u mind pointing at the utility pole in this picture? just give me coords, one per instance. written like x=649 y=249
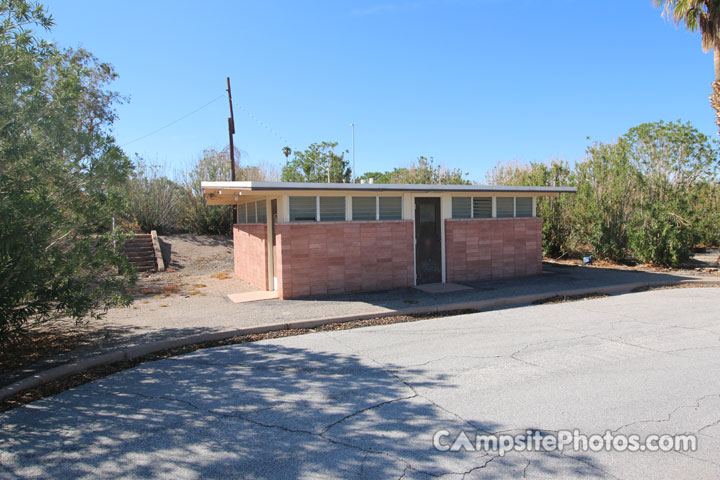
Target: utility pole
x=352 y=179
x=231 y=131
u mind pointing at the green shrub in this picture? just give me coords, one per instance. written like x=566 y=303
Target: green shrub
x=651 y=196
x=196 y=215
x=153 y=201
x=58 y=167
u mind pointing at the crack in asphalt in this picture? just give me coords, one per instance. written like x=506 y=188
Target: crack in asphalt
x=475 y=357
x=321 y=434
x=469 y=422
x=395 y=374
x=363 y=410
x=527 y=465
x=587 y=462
x=614 y=340
x=633 y=319
x=479 y=467
x=708 y=426
x=704 y=460
x=670 y=414
x=362 y=465
x=404 y=472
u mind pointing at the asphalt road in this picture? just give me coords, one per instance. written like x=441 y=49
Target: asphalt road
x=161 y=317
x=365 y=403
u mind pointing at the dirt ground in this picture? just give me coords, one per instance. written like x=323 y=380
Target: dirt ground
x=197 y=265
x=199 y=274
x=705 y=262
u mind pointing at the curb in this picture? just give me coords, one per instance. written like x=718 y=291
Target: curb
x=131 y=353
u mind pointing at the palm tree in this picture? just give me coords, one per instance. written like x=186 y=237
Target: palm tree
x=703 y=15
x=286 y=151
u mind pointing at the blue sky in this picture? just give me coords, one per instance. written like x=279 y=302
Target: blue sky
x=468 y=82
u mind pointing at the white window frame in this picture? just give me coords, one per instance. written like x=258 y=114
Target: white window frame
x=317 y=207
x=377 y=202
x=472 y=206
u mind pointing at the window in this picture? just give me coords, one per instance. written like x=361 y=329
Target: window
x=364 y=208
x=461 y=207
x=251 y=212
x=523 y=206
x=390 y=208
x=376 y=208
x=303 y=209
x=482 y=207
x=261 y=211
x=505 y=207
x=475 y=207
x=242 y=214
x=332 y=209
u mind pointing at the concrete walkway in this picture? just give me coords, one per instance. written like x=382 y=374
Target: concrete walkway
x=365 y=403
x=174 y=317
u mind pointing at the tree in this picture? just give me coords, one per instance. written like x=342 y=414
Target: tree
x=152 y=199
x=377 y=177
x=558 y=213
x=59 y=167
x=199 y=217
x=671 y=161
x=650 y=197
x=318 y=163
x=703 y=15
x=422 y=171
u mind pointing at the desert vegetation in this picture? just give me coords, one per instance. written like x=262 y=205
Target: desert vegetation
x=154 y=199
x=651 y=196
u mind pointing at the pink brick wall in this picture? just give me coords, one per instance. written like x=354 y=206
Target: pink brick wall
x=249 y=240
x=481 y=249
x=338 y=257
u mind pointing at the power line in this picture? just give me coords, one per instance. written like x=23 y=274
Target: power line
x=175 y=121
x=264 y=125
x=223 y=95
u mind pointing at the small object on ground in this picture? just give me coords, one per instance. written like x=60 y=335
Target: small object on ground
x=588 y=260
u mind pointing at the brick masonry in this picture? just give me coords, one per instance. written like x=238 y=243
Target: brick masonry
x=249 y=241
x=482 y=249
x=339 y=257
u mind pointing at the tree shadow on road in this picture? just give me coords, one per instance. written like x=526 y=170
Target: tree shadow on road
x=260 y=410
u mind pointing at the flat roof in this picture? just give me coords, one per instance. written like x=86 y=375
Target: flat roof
x=209 y=187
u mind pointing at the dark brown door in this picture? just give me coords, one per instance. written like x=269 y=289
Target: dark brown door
x=428 y=241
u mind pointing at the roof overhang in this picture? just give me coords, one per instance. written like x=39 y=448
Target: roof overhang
x=225 y=193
